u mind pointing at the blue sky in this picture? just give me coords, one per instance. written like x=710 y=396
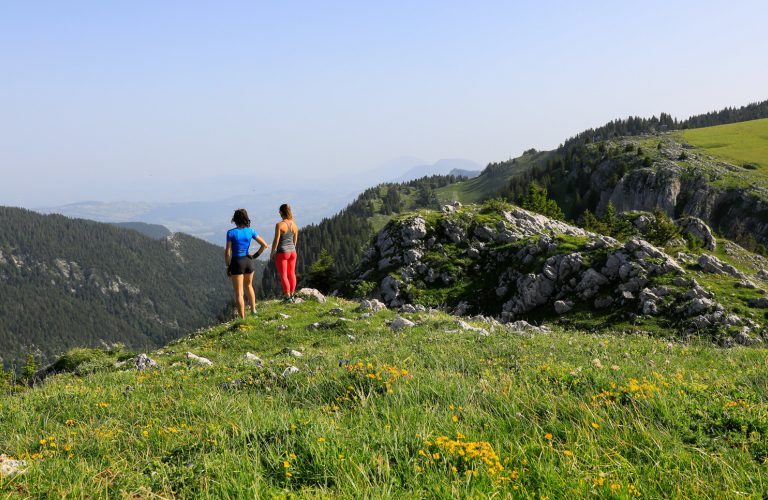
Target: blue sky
x=117 y=91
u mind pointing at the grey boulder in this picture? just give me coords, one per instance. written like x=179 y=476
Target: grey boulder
x=313 y=294
x=400 y=323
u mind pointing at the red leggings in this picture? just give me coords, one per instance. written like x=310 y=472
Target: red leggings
x=286 y=266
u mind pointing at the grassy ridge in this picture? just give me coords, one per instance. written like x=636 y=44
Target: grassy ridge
x=477 y=189
x=419 y=413
x=739 y=143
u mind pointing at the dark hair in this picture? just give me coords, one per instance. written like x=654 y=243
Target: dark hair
x=285 y=211
x=241 y=218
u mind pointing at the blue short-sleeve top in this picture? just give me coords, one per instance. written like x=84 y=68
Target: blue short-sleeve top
x=241 y=240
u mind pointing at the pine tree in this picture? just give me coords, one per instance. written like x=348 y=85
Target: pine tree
x=30 y=367
x=536 y=201
x=616 y=227
x=321 y=274
x=647 y=161
x=589 y=222
x=661 y=230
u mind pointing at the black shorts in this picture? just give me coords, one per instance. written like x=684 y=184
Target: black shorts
x=241 y=265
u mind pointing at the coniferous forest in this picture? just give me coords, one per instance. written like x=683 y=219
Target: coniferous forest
x=75 y=283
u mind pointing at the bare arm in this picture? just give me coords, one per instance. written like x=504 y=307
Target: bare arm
x=261 y=250
x=227 y=256
x=295 y=234
x=275 y=242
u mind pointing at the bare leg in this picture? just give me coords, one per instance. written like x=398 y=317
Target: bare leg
x=248 y=281
x=237 y=284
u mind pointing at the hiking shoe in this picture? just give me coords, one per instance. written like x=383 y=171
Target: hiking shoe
x=287 y=301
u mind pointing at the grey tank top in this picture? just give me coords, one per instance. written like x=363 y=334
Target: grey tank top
x=285 y=245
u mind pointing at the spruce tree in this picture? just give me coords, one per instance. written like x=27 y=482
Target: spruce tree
x=616 y=227
x=322 y=273
x=647 y=161
x=589 y=222
x=661 y=230
x=576 y=209
x=536 y=200
x=30 y=367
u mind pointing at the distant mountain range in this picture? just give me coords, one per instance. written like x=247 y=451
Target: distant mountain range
x=468 y=173
x=210 y=220
x=440 y=167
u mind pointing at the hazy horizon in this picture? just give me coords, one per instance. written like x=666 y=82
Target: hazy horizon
x=114 y=100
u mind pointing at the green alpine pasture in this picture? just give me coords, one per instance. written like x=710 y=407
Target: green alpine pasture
x=426 y=412
x=742 y=144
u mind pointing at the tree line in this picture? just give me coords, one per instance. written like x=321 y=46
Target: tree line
x=635 y=125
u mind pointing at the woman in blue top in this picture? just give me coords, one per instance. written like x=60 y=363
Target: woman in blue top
x=240 y=266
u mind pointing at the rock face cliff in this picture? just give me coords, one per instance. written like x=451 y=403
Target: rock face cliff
x=681 y=179
x=515 y=265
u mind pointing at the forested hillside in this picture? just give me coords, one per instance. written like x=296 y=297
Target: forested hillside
x=506 y=177
x=718 y=174
x=74 y=283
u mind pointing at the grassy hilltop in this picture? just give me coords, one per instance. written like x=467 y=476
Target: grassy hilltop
x=426 y=412
x=739 y=143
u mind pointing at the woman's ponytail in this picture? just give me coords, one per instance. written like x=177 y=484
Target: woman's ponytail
x=285 y=211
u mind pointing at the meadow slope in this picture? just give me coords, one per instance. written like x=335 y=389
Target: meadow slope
x=431 y=411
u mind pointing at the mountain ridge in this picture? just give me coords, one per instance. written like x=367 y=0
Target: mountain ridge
x=440 y=167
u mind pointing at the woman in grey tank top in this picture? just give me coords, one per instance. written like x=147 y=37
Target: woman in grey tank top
x=284 y=252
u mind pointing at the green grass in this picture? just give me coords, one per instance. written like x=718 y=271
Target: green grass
x=418 y=414
x=738 y=143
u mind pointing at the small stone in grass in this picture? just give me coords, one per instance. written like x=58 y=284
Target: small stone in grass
x=252 y=357
x=9 y=467
x=201 y=360
x=401 y=323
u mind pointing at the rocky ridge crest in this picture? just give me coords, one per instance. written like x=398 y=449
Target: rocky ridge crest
x=515 y=265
